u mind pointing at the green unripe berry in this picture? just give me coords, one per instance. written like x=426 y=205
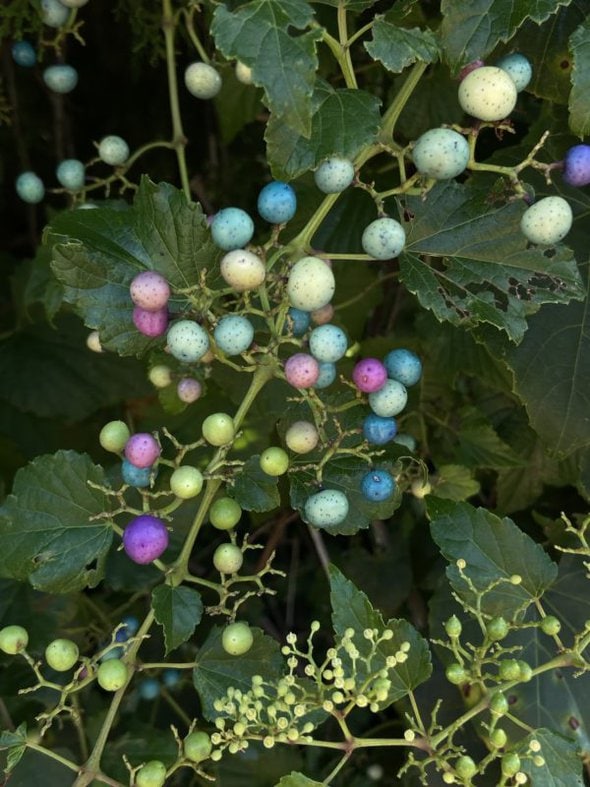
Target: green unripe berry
x=509 y=669
x=465 y=767
x=13 y=639
x=152 y=774
x=112 y=674
x=113 y=436
x=228 y=558
x=302 y=437
x=218 y=429
x=526 y=671
x=498 y=738
x=274 y=461
x=186 y=482
x=497 y=629
x=197 y=746
x=550 y=626
x=160 y=376
x=225 y=513
x=498 y=704
x=453 y=627
x=456 y=674
x=237 y=638
x=61 y=654
x=510 y=764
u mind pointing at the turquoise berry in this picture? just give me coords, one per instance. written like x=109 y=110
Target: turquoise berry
x=60 y=78
x=326 y=376
x=171 y=677
x=334 y=175
x=24 y=54
x=389 y=400
x=148 y=689
x=233 y=334
x=30 y=188
x=377 y=485
x=378 y=430
x=298 y=320
x=139 y=477
x=53 y=13
x=518 y=67
x=404 y=366
x=70 y=174
x=232 y=228
x=328 y=343
x=187 y=341
x=383 y=239
x=277 y=202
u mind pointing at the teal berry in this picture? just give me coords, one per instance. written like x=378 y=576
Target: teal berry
x=518 y=67
x=139 y=477
x=326 y=508
x=54 y=13
x=131 y=624
x=148 y=689
x=233 y=334
x=232 y=228
x=187 y=341
x=60 y=78
x=406 y=440
x=404 y=366
x=298 y=320
x=389 y=400
x=326 y=376
x=70 y=174
x=30 y=188
x=328 y=343
x=277 y=202
x=171 y=677
x=378 y=430
x=377 y=485
x=113 y=150
x=24 y=54
x=334 y=175
x=441 y=153
x=383 y=239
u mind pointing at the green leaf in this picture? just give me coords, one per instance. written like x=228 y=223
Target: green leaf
x=260 y=34
x=139 y=742
x=484 y=272
x=215 y=670
x=343 y=122
x=352 y=609
x=236 y=104
x=350 y=5
x=493 y=549
x=297 y=780
x=399 y=47
x=9 y=738
x=261 y=767
x=481 y=446
x=98 y=252
x=178 y=610
x=32 y=764
x=579 y=101
x=471 y=29
x=41 y=286
x=563 y=766
x=45 y=525
x=253 y=489
x=454 y=482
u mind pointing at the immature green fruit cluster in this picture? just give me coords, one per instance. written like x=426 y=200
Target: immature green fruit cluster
x=197 y=746
x=61 y=654
x=152 y=774
x=112 y=674
x=13 y=639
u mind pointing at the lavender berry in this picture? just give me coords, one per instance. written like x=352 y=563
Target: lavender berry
x=369 y=375
x=145 y=538
x=150 y=291
x=188 y=390
x=302 y=370
x=576 y=166
x=150 y=323
x=142 y=449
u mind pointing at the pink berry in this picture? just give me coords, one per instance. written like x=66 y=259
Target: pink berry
x=302 y=370
x=142 y=449
x=145 y=538
x=188 y=390
x=469 y=68
x=150 y=291
x=150 y=323
x=323 y=315
x=369 y=375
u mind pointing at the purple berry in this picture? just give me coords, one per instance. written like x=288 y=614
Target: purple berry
x=145 y=538
x=142 y=449
x=469 y=68
x=150 y=291
x=369 y=375
x=150 y=323
x=302 y=370
x=188 y=390
x=576 y=166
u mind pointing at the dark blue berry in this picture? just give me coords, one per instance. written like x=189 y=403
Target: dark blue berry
x=377 y=485
x=379 y=430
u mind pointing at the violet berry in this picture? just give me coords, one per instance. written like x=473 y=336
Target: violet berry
x=145 y=538
x=576 y=166
x=469 y=68
x=150 y=323
x=369 y=375
x=302 y=370
x=142 y=449
x=150 y=291
x=188 y=390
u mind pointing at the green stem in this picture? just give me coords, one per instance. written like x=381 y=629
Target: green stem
x=178 y=137
x=392 y=114
x=54 y=756
x=345 y=62
x=335 y=771
x=176 y=707
x=192 y=34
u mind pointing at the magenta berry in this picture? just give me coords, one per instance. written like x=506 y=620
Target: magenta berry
x=150 y=323
x=302 y=370
x=576 y=166
x=142 y=449
x=369 y=375
x=150 y=291
x=188 y=390
x=145 y=538
x=469 y=68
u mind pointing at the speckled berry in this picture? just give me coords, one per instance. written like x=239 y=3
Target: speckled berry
x=326 y=376
x=187 y=341
x=383 y=238
x=334 y=175
x=54 y=13
x=277 y=202
x=150 y=291
x=298 y=321
x=369 y=375
x=547 y=221
x=113 y=150
x=488 y=93
x=378 y=430
x=24 y=54
x=71 y=174
x=243 y=270
x=518 y=67
x=139 y=477
x=576 y=166
x=377 y=485
x=311 y=284
x=328 y=343
x=188 y=390
x=150 y=323
x=302 y=370
x=302 y=437
x=232 y=228
x=202 y=80
x=404 y=366
x=389 y=400
x=323 y=315
x=145 y=538
x=326 y=508
x=30 y=188
x=233 y=334
x=142 y=449
x=441 y=153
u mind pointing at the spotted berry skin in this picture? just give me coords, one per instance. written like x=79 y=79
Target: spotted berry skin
x=302 y=437
x=187 y=341
x=488 y=93
x=326 y=508
x=311 y=284
x=298 y=321
x=469 y=68
x=576 y=166
x=145 y=538
x=139 y=477
x=188 y=390
x=71 y=174
x=302 y=370
x=441 y=153
x=547 y=221
x=322 y=315
x=518 y=67
x=369 y=375
x=404 y=366
x=389 y=400
x=379 y=430
x=328 y=343
x=150 y=323
x=277 y=202
x=242 y=270
x=150 y=291
x=202 y=80
x=113 y=150
x=30 y=188
x=233 y=334
x=327 y=375
x=377 y=485
x=231 y=228
x=60 y=78
x=383 y=238
x=334 y=175
x=24 y=54
x=142 y=449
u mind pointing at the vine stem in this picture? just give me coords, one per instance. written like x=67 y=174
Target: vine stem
x=392 y=114
x=179 y=139
x=346 y=61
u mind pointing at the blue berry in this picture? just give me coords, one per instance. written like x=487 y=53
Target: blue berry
x=23 y=54
x=233 y=334
x=131 y=624
x=379 y=430
x=171 y=677
x=404 y=366
x=148 y=689
x=30 y=188
x=60 y=78
x=377 y=485
x=136 y=476
x=383 y=238
x=518 y=67
x=299 y=320
x=232 y=228
x=277 y=202
x=576 y=166
x=328 y=343
x=327 y=375
x=389 y=400
x=71 y=174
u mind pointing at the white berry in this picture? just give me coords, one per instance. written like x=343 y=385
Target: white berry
x=202 y=80
x=441 y=153
x=488 y=93
x=113 y=150
x=547 y=221
x=243 y=270
x=311 y=284
x=334 y=175
x=383 y=238
x=243 y=73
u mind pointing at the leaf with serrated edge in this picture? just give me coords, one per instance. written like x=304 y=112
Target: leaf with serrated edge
x=563 y=766
x=178 y=610
x=352 y=609
x=8 y=738
x=484 y=272
x=45 y=524
x=579 y=101
x=454 y=482
x=255 y=490
x=493 y=549
x=471 y=29
x=399 y=47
